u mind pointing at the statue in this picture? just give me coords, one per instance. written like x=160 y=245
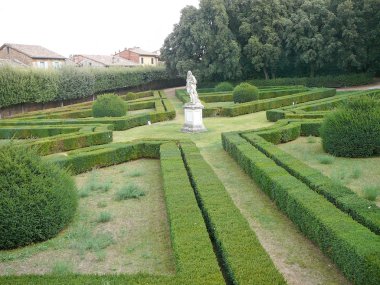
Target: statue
x=191 y=88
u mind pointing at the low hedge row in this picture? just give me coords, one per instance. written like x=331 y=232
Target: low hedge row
x=260 y=105
x=316 y=109
x=353 y=247
x=19 y=85
x=243 y=258
x=319 y=81
x=26 y=132
x=167 y=112
x=360 y=209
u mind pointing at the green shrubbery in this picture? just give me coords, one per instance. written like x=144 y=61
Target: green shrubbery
x=224 y=86
x=27 y=85
x=318 y=81
x=245 y=92
x=108 y=105
x=353 y=130
x=37 y=198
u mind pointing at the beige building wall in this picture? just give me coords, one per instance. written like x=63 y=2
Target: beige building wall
x=10 y=53
x=148 y=60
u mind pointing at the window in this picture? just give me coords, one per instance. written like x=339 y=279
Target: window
x=152 y=59
x=57 y=64
x=42 y=64
x=142 y=60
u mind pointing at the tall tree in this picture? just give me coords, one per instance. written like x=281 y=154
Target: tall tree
x=309 y=36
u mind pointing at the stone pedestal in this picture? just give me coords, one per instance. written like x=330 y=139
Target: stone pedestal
x=193 y=118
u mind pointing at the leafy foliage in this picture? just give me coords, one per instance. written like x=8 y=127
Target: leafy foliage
x=353 y=130
x=108 y=105
x=37 y=198
x=245 y=92
x=275 y=38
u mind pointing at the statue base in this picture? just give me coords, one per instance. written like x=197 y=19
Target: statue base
x=193 y=118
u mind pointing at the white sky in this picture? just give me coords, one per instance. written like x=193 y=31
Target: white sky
x=89 y=27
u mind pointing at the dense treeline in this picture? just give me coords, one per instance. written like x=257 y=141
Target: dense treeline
x=24 y=85
x=240 y=39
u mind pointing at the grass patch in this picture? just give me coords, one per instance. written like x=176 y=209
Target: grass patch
x=311 y=139
x=62 y=268
x=104 y=217
x=101 y=204
x=371 y=192
x=130 y=191
x=135 y=173
x=325 y=159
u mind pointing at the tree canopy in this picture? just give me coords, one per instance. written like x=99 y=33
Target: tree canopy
x=238 y=39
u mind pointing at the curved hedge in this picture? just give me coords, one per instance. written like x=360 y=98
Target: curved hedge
x=108 y=105
x=353 y=130
x=37 y=198
x=245 y=92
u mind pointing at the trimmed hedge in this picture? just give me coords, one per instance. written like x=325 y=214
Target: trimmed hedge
x=248 y=264
x=353 y=130
x=353 y=247
x=37 y=198
x=360 y=209
x=319 y=81
x=245 y=92
x=27 y=85
x=260 y=105
x=318 y=108
x=108 y=105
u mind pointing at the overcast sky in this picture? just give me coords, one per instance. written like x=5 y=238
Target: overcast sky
x=89 y=27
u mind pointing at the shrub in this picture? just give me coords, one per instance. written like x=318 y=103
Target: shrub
x=108 y=105
x=245 y=92
x=75 y=83
x=353 y=130
x=104 y=217
x=131 y=191
x=224 y=86
x=371 y=192
x=37 y=198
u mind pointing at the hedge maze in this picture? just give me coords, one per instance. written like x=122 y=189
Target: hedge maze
x=344 y=226
x=211 y=240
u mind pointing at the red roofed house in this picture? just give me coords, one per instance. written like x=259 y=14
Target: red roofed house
x=32 y=55
x=139 y=56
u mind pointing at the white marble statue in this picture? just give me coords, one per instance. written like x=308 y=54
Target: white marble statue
x=191 y=88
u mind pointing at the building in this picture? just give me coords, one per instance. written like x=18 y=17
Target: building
x=84 y=60
x=32 y=55
x=139 y=56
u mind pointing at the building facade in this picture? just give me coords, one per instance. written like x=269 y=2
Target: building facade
x=32 y=55
x=139 y=56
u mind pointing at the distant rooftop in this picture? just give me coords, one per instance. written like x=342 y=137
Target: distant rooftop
x=140 y=51
x=34 y=51
x=110 y=60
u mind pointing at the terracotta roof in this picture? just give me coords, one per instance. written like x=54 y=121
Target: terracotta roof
x=142 y=52
x=12 y=62
x=109 y=60
x=34 y=51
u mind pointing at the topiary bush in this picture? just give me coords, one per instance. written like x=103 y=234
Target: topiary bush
x=353 y=130
x=224 y=86
x=108 y=105
x=37 y=198
x=245 y=92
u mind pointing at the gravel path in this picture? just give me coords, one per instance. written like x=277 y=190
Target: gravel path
x=375 y=85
